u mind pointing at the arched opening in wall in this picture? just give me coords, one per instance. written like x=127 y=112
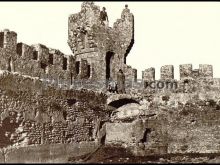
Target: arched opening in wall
x=88 y=71
x=64 y=63
x=50 y=59
x=121 y=102
x=35 y=55
x=19 y=49
x=1 y=40
x=109 y=58
x=77 y=67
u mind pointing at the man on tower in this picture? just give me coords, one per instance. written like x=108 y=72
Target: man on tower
x=126 y=10
x=104 y=16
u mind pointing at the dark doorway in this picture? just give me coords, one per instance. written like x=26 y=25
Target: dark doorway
x=77 y=67
x=50 y=59
x=88 y=71
x=64 y=63
x=108 y=58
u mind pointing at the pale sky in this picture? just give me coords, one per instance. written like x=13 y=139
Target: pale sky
x=165 y=32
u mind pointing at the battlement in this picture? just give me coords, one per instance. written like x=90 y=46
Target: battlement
x=148 y=74
x=186 y=71
x=35 y=60
x=167 y=72
x=204 y=71
x=40 y=61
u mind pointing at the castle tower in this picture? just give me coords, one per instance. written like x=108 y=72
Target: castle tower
x=105 y=48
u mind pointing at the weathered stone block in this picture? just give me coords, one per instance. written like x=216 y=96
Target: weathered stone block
x=185 y=71
x=167 y=72
x=114 y=133
x=205 y=71
x=148 y=74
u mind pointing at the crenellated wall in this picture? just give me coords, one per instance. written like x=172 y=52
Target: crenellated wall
x=186 y=71
x=39 y=60
x=191 y=80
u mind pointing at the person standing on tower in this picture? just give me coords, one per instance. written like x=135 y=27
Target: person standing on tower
x=104 y=16
x=125 y=11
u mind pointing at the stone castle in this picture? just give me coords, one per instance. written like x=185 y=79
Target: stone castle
x=57 y=121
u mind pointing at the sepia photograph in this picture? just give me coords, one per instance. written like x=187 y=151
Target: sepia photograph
x=109 y=82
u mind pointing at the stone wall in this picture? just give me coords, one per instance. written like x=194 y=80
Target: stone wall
x=32 y=114
x=181 y=123
x=193 y=128
x=133 y=132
